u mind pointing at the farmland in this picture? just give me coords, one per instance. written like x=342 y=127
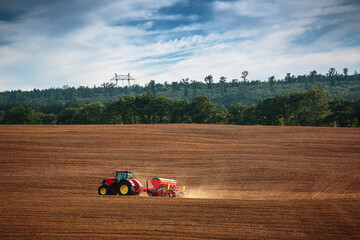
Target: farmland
x=247 y=182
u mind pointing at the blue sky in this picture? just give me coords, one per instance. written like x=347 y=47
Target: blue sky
x=51 y=43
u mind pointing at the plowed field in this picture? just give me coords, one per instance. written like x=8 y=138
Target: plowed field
x=242 y=182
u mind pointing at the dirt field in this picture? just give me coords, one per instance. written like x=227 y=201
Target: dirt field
x=242 y=182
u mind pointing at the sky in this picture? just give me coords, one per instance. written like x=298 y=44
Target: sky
x=52 y=43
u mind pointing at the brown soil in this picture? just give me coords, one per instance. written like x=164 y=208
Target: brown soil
x=242 y=182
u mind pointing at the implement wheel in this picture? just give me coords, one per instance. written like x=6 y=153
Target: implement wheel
x=104 y=190
x=125 y=188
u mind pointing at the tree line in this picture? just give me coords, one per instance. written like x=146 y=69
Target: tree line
x=309 y=108
x=223 y=92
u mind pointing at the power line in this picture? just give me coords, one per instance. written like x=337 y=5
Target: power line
x=123 y=78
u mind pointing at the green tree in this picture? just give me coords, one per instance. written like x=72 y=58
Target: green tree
x=223 y=88
x=152 y=87
x=234 y=83
x=151 y=109
x=67 y=115
x=313 y=75
x=221 y=116
x=209 y=81
x=244 y=75
x=237 y=114
x=346 y=72
x=314 y=108
x=121 y=111
x=175 y=87
x=250 y=115
x=89 y=114
x=21 y=115
x=195 y=86
x=288 y=78
x=47 y=118
x=186 y=83
x=272 y=111
x=308 y=108
x=331 y=74
x=271 y=83
x=201 y=110
x=356 y=109
x=179 y=111
x=161 y=109
x=2 y=113
x=342 y=113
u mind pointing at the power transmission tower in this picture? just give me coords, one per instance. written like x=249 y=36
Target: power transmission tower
x=123 y=78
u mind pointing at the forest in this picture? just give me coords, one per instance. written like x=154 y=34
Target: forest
x=309 y=108
x=305 y=100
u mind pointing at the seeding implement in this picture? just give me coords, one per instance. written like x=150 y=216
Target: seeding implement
x=125 y=184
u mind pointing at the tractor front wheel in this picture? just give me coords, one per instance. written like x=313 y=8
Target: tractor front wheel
x=103 y=190
x=125 y=188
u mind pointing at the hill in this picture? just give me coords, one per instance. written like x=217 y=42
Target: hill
x=223 y=92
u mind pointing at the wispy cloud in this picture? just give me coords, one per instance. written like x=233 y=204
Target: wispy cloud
x=50 y=44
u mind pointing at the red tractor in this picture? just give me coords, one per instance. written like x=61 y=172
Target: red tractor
x=124 y=184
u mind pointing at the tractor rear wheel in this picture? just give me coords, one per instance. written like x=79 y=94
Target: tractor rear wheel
x=104 y=190
x=125 y=188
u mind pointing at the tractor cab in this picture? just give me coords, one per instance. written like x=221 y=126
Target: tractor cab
x=123 y=183
x=120 y=175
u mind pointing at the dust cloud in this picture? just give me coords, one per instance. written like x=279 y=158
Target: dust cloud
x=204 y=192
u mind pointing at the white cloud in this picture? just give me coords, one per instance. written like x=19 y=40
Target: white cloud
x=133 y=10
x=261 y=8
x=92 y=53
